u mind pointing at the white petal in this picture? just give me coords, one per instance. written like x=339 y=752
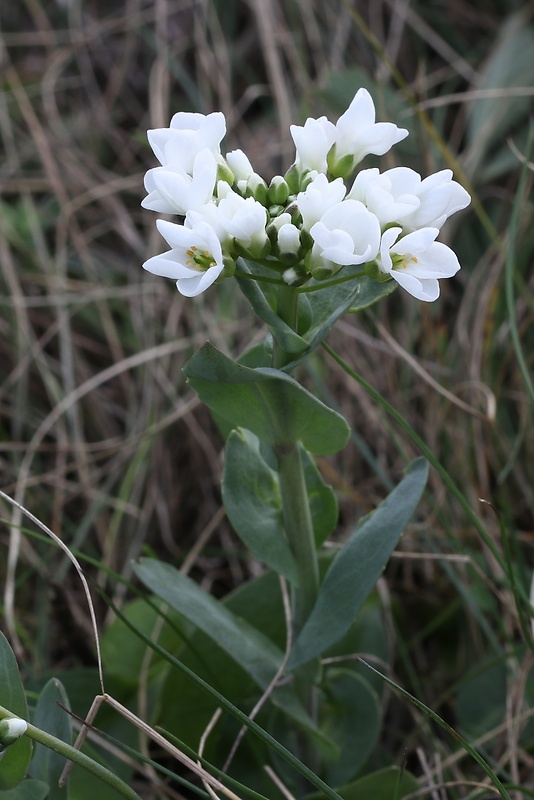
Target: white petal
x=319 y=196
x=403 y=180
x=166 y=265
x=175 y=235
x=438 y=261
x=155 y=202
x=359 y=135
x=173 y=189
x=187 y=120
x=195 y=285
x=384 y=261
x=240 y=165
x=415 y=242
x=336 y=245
x=288 y=238
x=312 y=143
x=422 y=289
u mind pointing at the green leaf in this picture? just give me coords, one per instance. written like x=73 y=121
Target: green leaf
x=322 y=308
x=16 y=758
x=257 y=655
x=349 y=716
x=391 y=783
x=123 y=653
x=267 y=402
x=30 y=789
x=49 y=716
x=370 y=292
x=287 y=338
x=480 y=703
x=330 y=303
x=357 y=567
x=251 y=497
x=247 y=646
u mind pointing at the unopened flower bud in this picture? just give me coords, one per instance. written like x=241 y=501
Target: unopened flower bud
x=278 y=191
x=340 y=167
x=257 y=188
x=224 y=173
x=240 y=165
x=293 y=178
x=229 y=266
x=11 y=730
x=288 y=239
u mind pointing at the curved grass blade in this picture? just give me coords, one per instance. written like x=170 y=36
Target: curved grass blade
x=451 y=731
x=233 y=710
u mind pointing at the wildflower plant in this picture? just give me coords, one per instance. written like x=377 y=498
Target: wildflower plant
x=324 y=239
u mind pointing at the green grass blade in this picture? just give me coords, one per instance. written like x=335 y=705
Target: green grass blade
x=451 y=731
x=269 y=740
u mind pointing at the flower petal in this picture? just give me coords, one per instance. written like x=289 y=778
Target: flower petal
x=420 y=288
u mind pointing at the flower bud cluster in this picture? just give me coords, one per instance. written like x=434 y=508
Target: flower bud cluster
x=310 y=223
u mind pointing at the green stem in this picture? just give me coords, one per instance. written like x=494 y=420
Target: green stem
x=287 y=310
x=295 y=504
x=316 y=287
x=71 y=754
x=299 y=530
x=296 y=512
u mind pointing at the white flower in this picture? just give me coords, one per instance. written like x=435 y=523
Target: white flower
x=312 y=142
x=171 y=190
x=320 y=195
x=347 y=234
x=416 y=261
x=240 y=165
x=281 y=219
x=195 y=260
x=439 y=196
x=390 y=200
x=234 y=217
x=187 y=135
x=357 y=133
x=288 y=239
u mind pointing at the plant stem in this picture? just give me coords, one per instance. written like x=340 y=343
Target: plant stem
x=299 y=530
x=70 y=753
x=296 y=512
x=287 y=310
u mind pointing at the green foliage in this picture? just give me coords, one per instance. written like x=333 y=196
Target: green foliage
x=77 y=308
x=253 y=502
x=358 y=566
x=349 y=715
x=268 y=402
x=30 y=789
x=505 y=112
x=323 y=307
x=386 y=784
x=16 y=758
x=255 y=653
x=480 y=702
x=51 y=715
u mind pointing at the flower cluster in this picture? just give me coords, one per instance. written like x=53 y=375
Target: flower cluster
x=308 y=224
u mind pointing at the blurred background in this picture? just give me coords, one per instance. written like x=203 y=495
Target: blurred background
x=99 y=435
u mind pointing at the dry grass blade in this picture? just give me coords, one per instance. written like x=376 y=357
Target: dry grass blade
x=78 y=568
